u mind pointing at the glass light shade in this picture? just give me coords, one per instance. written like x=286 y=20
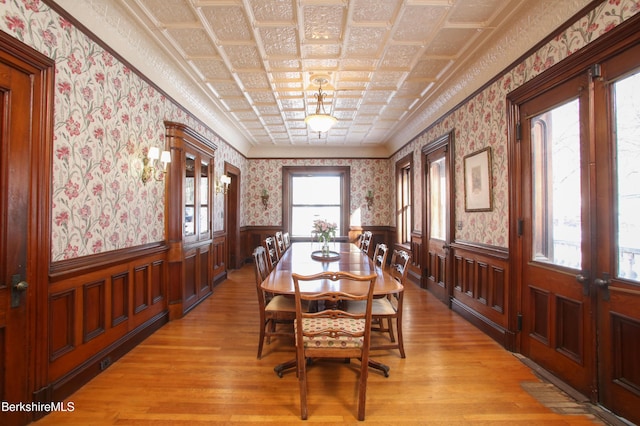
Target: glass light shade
x=224 y=179
x=154 y=153
x=320 y=122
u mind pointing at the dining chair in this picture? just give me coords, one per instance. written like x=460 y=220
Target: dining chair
x=389 y=308
x=279 y=237
x=273 y=309
x=380 y=255
x=287 y=240
x=366 y=242
x=272 y=252
x=333 y=332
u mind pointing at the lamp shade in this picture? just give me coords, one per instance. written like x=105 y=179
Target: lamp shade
x=165 y=157
x=320 y=122
x=154 y=153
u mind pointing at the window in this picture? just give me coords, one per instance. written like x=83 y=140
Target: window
x=557 y=221
x=404 y=192
x=311 y=193
x=626 y=109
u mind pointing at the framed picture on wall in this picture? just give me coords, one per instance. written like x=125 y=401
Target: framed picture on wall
x=478 y=195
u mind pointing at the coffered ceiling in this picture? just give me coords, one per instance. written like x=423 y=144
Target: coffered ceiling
x=254 y=62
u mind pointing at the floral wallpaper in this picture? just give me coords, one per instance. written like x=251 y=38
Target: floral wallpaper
x=107 y=117
x=482 y=122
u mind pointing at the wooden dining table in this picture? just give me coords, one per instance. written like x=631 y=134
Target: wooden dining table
x=305 y=258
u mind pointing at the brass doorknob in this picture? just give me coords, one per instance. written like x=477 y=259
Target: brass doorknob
x=21 y=286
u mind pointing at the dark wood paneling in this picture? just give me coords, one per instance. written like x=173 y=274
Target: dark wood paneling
x=94 y=313
x=3 y=345
x=93 y=310
x=119 y=298
x=499 y=291
x=140 y=289
x=539 y=310
x=189 y=287
x=205 y=270
x=157 y=282
x=626 y=347
x=569 y=319
x=482 y=283
x=416 y=272
x=219 y=248
x=61 y=323
x=480 y=289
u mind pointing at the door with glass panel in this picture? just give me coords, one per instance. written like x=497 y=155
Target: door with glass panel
x=558 y=326
x=581 y=232
x=616 y=275
x=437 y=216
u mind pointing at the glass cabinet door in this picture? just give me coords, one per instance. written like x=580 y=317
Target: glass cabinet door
x=197 y=197
x=204 y=197
x=189 y=196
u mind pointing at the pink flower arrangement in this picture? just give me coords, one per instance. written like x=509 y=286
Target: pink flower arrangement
x=324 y=230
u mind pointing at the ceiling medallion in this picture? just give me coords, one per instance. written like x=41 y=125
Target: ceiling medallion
x=320 y=121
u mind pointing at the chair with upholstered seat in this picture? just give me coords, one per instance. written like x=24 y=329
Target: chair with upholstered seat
x=287 y=240
x=272 y=252
x=274 y=309
x=332 y=332
x=389 y=308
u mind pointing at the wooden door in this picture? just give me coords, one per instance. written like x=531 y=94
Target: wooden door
x=232 y=217
x=15 y=294
x=558 y=329
x=437 y=168
x=580 y=231
x=617 y=272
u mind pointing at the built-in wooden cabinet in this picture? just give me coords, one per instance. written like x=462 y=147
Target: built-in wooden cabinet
x=190 y=218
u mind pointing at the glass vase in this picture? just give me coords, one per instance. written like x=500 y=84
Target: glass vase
x=325 y=246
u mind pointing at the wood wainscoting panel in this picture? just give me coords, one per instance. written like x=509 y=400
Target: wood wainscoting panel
x=157 y=282
x=61 y=323
x=98 y=313
x=93 y=310
x=205 y=282
x=140 y=289
x=416 y=272
x=481 y=287
x=218 y=258
x=119 y=298
x=190 y=291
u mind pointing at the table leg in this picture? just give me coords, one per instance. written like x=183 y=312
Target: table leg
x=379 y=366
x=288 y=365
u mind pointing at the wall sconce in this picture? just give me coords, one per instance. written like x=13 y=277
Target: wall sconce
x=149 y=169
x=369 y=198
x=265 y=199
x=222 y=185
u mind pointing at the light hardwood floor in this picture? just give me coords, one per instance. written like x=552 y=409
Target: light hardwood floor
x=203 y=369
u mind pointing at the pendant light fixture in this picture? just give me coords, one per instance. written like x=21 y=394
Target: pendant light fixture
x=320 y=121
